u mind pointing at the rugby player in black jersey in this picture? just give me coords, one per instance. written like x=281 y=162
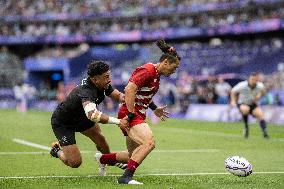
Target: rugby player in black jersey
x=79 y=113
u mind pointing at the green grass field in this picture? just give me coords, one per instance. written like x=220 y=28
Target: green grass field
x=188 y=154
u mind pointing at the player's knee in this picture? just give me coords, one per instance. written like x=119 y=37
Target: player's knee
x=75 y=163
x=260 y=117
x=244 y=109
x=245 y=112
x=151 y=144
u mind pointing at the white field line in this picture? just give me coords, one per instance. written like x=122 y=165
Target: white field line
x=23 y=153
x=39 y=146
x=27 y=143
x=188 y=151
x=141 y=175
x=278 y=139
x=220 y=134
x=92 y=152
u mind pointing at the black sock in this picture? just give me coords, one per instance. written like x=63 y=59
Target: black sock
x=262 y=124
x=245 y=118
x=128 y=173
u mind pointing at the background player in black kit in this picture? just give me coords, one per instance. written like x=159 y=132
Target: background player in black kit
x=79 y=113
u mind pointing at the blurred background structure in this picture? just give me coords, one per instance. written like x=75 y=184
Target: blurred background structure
x=45 y=46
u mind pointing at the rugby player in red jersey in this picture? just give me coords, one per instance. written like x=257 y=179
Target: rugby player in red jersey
x=142 y=86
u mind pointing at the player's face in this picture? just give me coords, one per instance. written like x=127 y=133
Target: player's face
x=253 y=81
x=103 y=81
x=170 y=68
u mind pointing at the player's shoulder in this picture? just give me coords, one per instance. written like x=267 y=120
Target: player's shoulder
x=86 y=84
x=242 y=84
x=85 y=87
x=150 y=67
x=245 y=82
x=260 y=84
x=82 y=88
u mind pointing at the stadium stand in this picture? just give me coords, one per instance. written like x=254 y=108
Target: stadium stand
x=217 y=40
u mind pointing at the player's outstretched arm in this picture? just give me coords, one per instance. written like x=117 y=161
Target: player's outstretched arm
x=117 y=96
x=95 y=115
x=259 y=95
x=130 y=92
x=233 y=96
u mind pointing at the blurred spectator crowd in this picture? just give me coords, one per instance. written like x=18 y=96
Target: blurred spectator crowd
x=214 y=90
x=118 y=24
x=11 y=70
x=36 y=7
x=202 y=77
x=178 y=92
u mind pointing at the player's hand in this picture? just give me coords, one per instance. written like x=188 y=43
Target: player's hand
x=124 y=125
x=162 y=113
x=255 y=101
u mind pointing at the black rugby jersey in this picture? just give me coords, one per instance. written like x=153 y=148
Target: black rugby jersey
x=71 y=110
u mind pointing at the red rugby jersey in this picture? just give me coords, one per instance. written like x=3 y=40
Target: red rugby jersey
x=147 y=78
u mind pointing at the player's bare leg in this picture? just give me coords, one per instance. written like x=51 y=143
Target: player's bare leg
x=142 y=135
x=131 y=145
x=257 y=112
x=244 y=109
x=140 y=143
x=95 y=134
x=118 y=159
x=69 y=155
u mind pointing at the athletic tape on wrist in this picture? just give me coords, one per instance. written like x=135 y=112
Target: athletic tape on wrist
x=113 y=120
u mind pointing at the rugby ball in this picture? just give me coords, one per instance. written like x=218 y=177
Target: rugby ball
x=238 y=166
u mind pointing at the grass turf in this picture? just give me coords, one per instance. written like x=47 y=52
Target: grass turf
x=203 y=147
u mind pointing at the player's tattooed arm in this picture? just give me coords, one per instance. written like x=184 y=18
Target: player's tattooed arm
x=117 y=96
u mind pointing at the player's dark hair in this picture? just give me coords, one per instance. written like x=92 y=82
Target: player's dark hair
x=97 y=67
x=254 y=73
x=168 y=52
x=169 y=57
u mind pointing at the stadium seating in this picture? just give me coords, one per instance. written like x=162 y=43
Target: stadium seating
x=83 y=24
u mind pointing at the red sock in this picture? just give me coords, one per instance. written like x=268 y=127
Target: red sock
x=132 y=165
x=109 y=159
